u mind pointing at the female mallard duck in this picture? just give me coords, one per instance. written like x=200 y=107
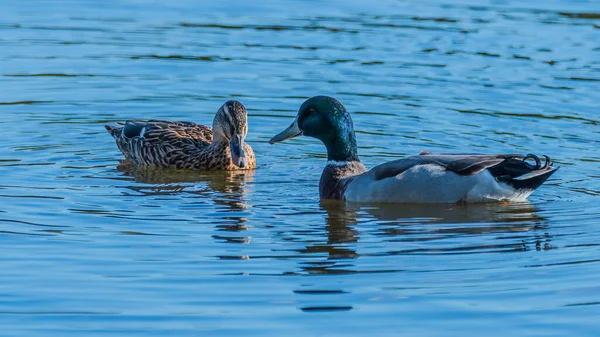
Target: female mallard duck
x=187 y=145
x=426 y=178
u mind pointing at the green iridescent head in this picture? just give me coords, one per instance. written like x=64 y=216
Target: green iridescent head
x=326 y=119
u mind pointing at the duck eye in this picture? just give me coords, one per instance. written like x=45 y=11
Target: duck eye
x=312 y=110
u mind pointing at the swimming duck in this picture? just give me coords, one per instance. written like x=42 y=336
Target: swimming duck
x=425 y=178
x=187 y=145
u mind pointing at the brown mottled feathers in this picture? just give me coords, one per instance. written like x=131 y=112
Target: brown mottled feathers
x=181 y=145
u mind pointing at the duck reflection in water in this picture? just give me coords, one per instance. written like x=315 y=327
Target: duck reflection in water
x=223 y=188
x=426 y=229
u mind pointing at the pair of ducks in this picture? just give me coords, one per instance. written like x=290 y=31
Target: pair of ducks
x=426 y=178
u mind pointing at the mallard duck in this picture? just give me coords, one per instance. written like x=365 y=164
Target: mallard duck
x=187 y=145
x=425 y=178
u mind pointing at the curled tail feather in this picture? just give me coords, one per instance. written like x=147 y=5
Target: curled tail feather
x=524 y=176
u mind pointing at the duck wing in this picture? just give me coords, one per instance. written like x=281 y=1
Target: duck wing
x=513 y=169
x=153 y=142
x=459 y=164
x=162 y=131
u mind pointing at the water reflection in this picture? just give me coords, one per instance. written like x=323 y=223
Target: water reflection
x=499 y=227
x=341 y=237
x=434 y=229
x=418 y=230
x=224 y=188
x=453 y=213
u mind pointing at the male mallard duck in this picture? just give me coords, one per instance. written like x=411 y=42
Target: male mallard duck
x=426 y=178
x=187 y=145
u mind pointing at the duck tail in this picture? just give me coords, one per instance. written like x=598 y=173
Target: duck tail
x=524 y=176
x=113 y=130
x=532 y=180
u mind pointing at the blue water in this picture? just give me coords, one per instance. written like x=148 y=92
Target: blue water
x=90 y=248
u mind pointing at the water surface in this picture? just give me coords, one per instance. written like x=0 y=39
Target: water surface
x=90 y=247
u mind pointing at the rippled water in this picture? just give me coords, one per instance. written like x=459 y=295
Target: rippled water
x=90 y=248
